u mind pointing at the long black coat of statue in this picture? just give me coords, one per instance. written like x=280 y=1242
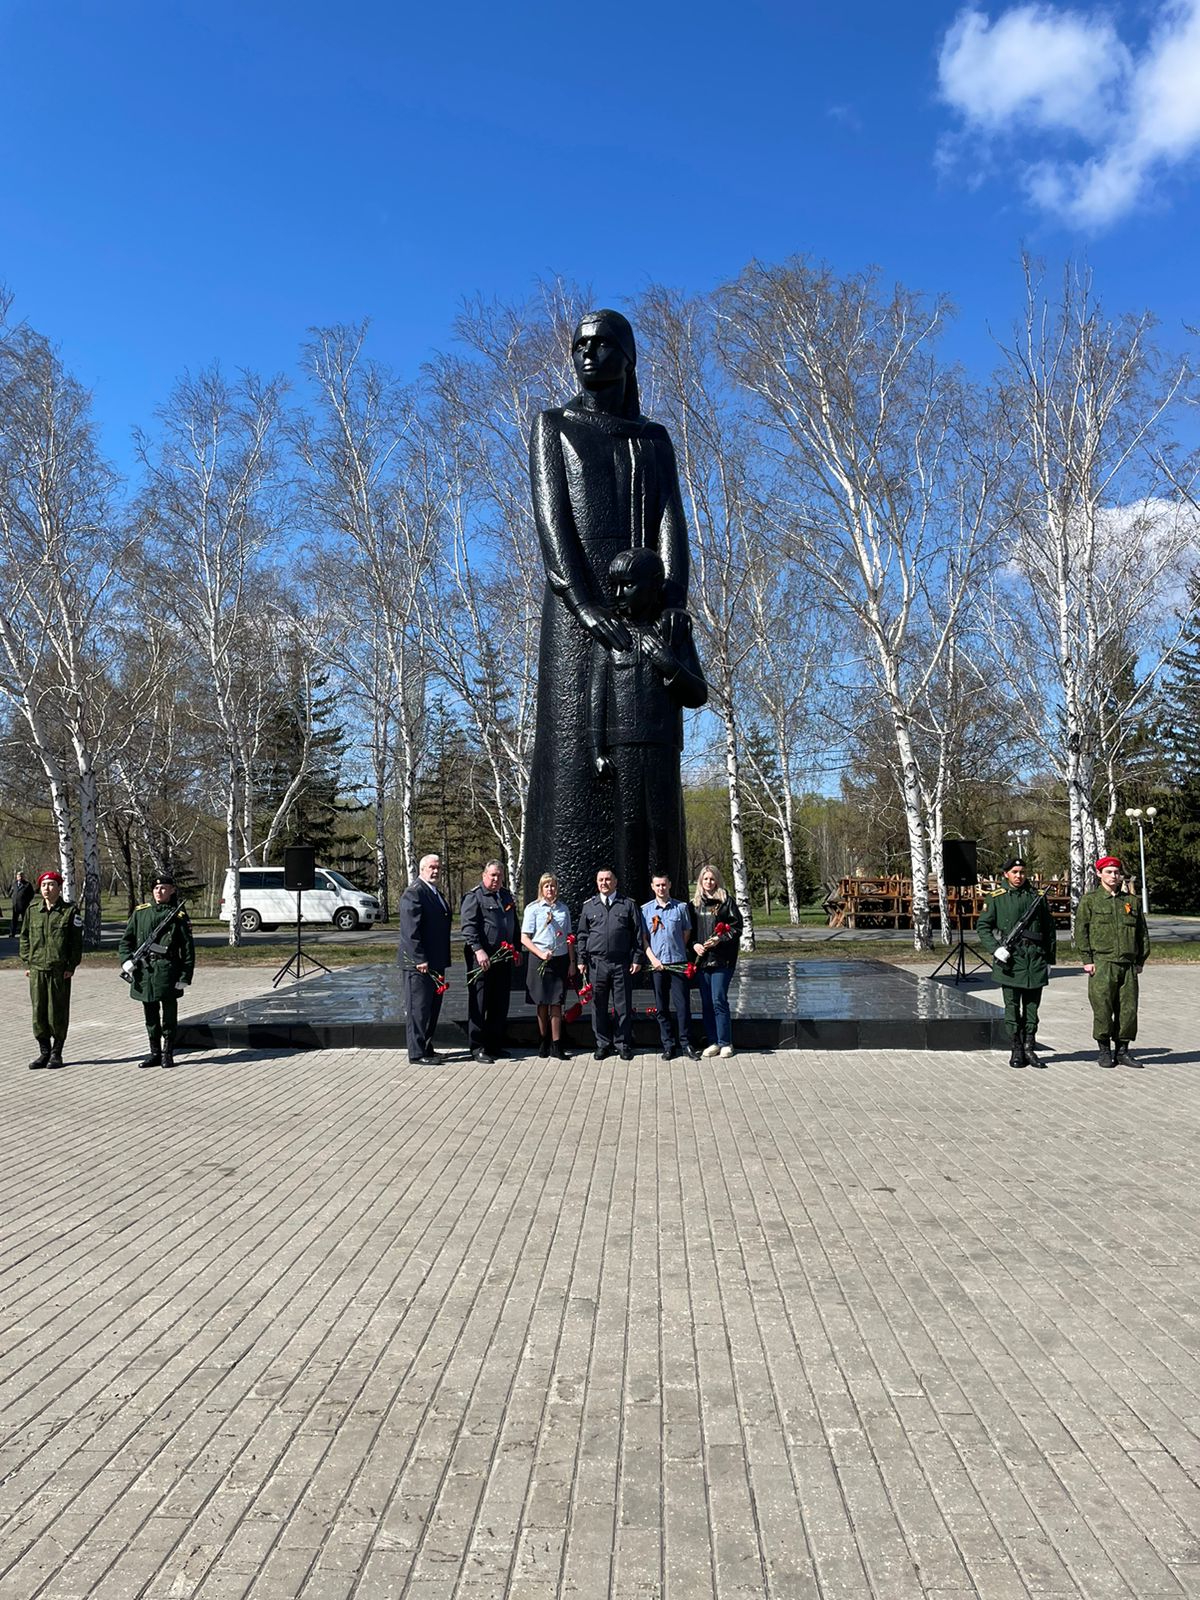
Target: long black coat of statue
x=601 y=483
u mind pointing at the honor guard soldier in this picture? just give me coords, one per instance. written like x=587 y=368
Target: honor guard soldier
x=158 y=956
x=51 y=948
x=1112 y=937
x=1017 y=930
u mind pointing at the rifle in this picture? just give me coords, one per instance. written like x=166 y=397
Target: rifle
x=1003 y=951
x=149 y=947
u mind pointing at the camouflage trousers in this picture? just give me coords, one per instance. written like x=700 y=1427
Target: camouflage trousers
x=50 y=994
x=1113 y=992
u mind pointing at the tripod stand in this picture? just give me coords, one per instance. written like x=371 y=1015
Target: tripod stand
x=294 y=965
x=956 y=958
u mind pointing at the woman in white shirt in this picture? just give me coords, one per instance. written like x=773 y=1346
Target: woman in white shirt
x=546 y=934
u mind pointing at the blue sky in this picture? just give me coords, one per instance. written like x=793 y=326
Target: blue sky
x=181 y=182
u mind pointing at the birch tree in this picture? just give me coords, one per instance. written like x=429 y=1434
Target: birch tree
x=491 y=578
x=1104 y=533
x=372 y=496
x=60 y=553
x=213 y=510
x=876 y=489
x=713 y=452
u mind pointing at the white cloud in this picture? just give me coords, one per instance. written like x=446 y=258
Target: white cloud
x=1051 y=69
x=1038 y=70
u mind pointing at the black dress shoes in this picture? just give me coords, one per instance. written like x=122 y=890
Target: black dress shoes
x=482 y=1055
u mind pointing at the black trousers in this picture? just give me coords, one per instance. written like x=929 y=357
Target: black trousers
x=612 y=988
x=674 y=1011
x=162 y=1019
x=423 y=1006
x=487 y=1006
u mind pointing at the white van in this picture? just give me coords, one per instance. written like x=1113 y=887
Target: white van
x=266 y=903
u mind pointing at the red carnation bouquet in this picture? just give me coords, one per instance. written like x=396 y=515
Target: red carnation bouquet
x=438 y=979
x=504 y=952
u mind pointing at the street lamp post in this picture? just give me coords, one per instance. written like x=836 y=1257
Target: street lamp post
x=1020 y=840
x=1135 y=814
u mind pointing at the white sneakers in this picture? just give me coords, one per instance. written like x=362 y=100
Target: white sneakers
x=726 y=1051
x=711 y=1050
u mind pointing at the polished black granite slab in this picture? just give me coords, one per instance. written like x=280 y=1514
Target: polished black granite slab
x=825 y=1005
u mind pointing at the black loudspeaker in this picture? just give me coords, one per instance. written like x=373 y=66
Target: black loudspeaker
x=300 y=867
x=959 y=865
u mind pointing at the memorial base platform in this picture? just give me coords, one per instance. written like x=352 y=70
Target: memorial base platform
x=793 y=1005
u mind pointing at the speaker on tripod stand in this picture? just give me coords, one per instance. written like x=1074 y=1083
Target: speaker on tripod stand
x=960 y=868
x=299 y=873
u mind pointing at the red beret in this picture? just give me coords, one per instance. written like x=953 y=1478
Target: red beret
x=1108 y=861
x=57 y=877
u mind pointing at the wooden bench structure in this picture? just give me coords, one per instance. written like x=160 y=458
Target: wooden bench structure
x=886 y=902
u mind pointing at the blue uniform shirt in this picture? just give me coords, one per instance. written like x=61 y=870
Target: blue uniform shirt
x=669 y=940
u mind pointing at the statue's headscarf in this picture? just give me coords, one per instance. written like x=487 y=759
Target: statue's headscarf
x=618 y=329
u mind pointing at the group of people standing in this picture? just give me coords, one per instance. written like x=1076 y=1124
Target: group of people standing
x=597 y=958
x=157 y=953
x=1017 y=930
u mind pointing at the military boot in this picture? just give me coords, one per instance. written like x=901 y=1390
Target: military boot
x=154 y=1059
x=1123 y=1058
x=43 y=1055
x=1031 y=1056
x=56 y=1050
x=1105 y=1058
x=168 y=1053
x=1017 y=1055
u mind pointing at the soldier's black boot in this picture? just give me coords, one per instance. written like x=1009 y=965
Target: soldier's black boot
x=154 y=1059
x=168 y=1053
x=43 y=1056
x=1017 y=1056
x=56 y=1050
x=1031 y=1056
x=1105 y=1058
x=1123 y=1058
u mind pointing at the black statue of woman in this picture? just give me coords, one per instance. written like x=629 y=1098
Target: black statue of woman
x=604 y=479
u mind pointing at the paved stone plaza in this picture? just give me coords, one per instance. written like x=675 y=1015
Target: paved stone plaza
x=853 y=1325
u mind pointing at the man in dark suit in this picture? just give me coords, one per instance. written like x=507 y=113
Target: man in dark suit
x=609 y=948
x=424 y=954
x=22 y=899
x=489 y=921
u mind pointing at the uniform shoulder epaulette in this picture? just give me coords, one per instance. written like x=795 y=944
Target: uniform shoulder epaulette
x=145 y=906
x=996 y=893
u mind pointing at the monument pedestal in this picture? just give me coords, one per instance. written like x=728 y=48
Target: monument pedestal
x=776 y=1005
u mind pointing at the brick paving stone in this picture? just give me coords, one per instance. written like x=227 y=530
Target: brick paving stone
x=809 y=1326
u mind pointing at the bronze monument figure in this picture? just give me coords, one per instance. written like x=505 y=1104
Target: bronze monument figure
x=604 y=481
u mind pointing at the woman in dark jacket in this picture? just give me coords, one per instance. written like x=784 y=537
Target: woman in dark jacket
x=716 y=957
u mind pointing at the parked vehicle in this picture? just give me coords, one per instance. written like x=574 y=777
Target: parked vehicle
x=266 y=903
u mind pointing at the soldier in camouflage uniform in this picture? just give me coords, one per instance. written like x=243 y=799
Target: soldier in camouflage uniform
x=158 y=980
x=1023 y=968
x=51 y=948
x=1112 y=937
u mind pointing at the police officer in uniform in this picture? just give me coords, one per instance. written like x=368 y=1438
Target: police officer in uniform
x=158 y=980
x=1022 y=966
x=424 y=954
x=489 y=919
x=1112 y=937
x=51 y=948
x=609 y=948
